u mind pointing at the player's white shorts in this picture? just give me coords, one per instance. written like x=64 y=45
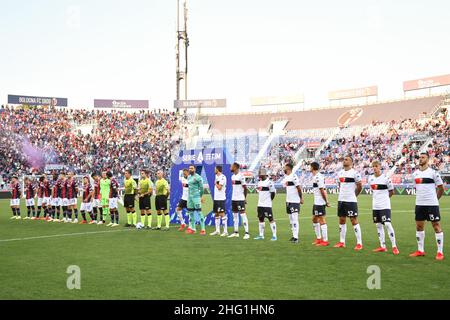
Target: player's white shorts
x=86 y=206
x=96 y=203
x=14 y=202
x=30 y=202
x=40 y=201
x=113 y=203
x=54 y=202
x=64 y=202
x=46 y=201
x=72 y=202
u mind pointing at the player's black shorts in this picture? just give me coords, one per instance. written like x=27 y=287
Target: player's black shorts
x=128 y=201
x=182 y=204
x=219 y=206
x=428 y=213
x=238 y=206
x=292 y=207
x=161 y=202
x=319 y=210
x=145 y=203
x=347 y=209
x=381 y=216
x=264 y=212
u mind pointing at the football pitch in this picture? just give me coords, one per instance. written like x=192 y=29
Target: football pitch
x=126 y=263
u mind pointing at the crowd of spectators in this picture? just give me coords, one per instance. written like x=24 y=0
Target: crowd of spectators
x=30 y=139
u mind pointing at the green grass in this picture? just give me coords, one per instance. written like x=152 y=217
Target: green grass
x=130 y=264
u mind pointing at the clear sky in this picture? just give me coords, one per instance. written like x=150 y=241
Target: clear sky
x=86 y=49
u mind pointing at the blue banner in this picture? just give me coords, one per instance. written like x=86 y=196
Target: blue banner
x=37 y=101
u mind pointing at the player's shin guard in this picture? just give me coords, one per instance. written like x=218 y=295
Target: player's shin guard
x=245 y=221
x=391 y=233
x=342 y=232
x=440 y=242
x=324 y=229
x=381 y=235
x=420 y=236
x=358 y=234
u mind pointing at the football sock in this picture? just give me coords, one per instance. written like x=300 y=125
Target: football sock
x=440 y=242
x=391 y=233
x=192 y=220
x=129 y=217
x=324 y=229
x=420 y=236
x=202 y=221
x=294 y=223
x=150 y=220
x=117 y=216
x=167 y=218
x=225 y=223
x=28 y=211
x=358 y=234
x=38 y=211
x=18 y=212
x=316 y=227
x=261 y=229
x=134 y=215
x=236 y=222
x=76 y=213
x=273 y=226
x=13 y=211
x=83 y=214
x=342 y=232
x=180 y=216
x=245 y=221
x=159 y=220
x=217 y=224
x=143 y=219
x=381 y=236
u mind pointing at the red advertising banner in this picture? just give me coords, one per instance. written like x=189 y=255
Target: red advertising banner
x=426 y=83
x=353 y=93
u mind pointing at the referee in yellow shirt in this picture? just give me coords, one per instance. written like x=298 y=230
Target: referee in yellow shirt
x=130 y=191
x=162 y=193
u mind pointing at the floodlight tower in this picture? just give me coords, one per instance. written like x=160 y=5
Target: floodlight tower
x=182 y=51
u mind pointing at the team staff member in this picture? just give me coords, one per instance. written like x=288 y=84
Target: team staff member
x=162 y=193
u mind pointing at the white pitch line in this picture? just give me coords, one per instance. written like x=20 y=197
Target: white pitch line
x=60 y=235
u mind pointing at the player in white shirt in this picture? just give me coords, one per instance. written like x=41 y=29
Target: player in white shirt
x=319 y=208
x=294 y=198
x=429 y=189
x=350 y=187
x=182 y=204
x=220 y=187
x=382 y=191
x=266 y=194
x=238 y=201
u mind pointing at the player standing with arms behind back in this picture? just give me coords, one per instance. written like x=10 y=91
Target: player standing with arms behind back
x=382 y=191
x=429 y=189
x=266 y=194
x=350 y=187
x=129 y=199
x=182 y=204
x=15 y=198
x=238 y=201
x=220 y=185
x=162 y=193
x=294 y=198
x=195 y=200
x=319 y=207
x=105 y=188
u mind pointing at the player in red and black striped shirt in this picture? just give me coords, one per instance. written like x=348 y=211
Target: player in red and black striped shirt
x=86 y=205
x=15 y=198
x=30 y=191
x=113 y=197
x=96 y=204
x=72 y=194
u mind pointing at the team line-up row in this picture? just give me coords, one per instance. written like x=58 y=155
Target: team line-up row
x=101 y=200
